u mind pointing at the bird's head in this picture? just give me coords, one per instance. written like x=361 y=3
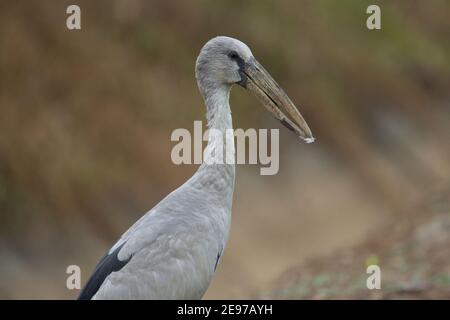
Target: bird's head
x=225 y=61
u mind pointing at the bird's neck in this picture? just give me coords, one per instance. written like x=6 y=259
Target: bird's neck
x=218 y=111
x=218 y=176
x=220 y=136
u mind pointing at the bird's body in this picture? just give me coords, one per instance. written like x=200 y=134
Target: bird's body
x=167 y=259
x=172 y=252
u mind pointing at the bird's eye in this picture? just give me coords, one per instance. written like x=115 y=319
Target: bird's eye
x=233 y=55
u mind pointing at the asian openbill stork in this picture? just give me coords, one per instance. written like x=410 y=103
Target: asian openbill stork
x=172 y=251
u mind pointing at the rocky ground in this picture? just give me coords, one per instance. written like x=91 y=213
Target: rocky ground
x=412 y=252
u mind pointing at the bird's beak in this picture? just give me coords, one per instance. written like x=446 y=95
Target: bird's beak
x=257 y=80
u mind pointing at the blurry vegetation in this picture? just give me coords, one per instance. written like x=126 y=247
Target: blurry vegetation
x=86 y=115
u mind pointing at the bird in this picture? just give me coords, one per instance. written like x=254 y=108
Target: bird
x=173 y=251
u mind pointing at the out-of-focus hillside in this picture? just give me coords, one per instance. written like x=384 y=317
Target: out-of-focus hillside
x=86 y=118
x=412 y=257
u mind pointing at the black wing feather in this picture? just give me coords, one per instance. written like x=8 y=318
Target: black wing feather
x=109 y=263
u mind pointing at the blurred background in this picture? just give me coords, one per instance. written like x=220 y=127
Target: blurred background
x=86 y=118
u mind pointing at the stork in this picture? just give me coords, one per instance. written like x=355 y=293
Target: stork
x=173 y=250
